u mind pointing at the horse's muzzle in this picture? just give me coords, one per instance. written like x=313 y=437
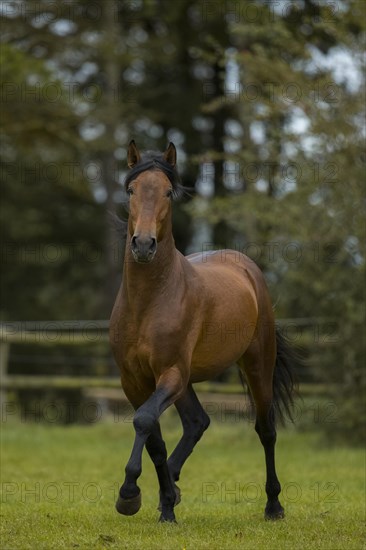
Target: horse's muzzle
x=143 y=249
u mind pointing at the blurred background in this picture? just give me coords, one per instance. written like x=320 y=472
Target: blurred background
x=265 y=104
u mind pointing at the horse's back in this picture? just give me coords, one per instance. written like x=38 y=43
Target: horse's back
x=232 y=265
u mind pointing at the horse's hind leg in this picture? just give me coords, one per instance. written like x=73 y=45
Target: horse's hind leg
x=265 y=428
x=259 y=378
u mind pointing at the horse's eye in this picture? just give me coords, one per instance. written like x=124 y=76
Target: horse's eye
x=130 y=191
x=169 y=193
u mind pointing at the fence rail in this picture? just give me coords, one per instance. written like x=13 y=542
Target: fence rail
x=54 y=332
x=78 y=332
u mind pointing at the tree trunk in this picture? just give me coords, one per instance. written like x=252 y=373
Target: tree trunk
x=223 y=235
x=110 y=68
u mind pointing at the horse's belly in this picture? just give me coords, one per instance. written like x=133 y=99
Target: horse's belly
x=203 y=374
x=219 y=348
x=222 y=343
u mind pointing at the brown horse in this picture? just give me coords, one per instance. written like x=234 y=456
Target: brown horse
x=179 y=320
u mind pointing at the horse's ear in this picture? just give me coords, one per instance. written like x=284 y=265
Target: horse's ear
x=133 y=155
x=170 y=154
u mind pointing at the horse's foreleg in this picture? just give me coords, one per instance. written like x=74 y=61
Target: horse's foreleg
x=169 y=388
x=129 y=498
x=168 y=492
x=195 y=421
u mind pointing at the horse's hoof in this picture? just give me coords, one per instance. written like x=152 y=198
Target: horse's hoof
x=128 y=506
x=177 y=497
x=274 y=512
x=164 y=519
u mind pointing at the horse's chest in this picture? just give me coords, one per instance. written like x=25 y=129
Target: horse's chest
x=132 y=354
x=150 y=348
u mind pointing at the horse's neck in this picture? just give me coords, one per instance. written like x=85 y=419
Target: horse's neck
x=145 y=283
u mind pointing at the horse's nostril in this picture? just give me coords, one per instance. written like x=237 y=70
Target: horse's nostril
x=153 y=244
x=133 y=242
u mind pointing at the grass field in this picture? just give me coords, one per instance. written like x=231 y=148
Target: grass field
x=59 y=485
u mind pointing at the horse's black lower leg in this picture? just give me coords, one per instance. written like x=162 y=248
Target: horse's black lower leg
x=145 y=422
x=157 y=451
x=129 y=498
x=265 y=427
x=195 y=421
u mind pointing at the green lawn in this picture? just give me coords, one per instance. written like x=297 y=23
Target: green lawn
x=59 y=485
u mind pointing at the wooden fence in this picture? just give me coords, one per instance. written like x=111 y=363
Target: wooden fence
x=306 y=332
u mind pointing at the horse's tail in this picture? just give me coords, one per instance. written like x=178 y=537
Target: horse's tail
x=284 y=381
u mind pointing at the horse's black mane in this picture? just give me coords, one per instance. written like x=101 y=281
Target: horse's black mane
x=153 y=160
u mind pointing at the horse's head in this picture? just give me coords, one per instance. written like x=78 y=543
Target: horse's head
x=151 y=183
